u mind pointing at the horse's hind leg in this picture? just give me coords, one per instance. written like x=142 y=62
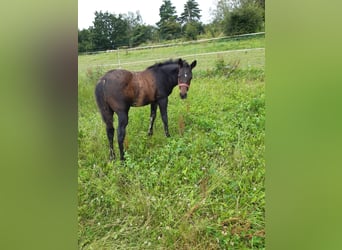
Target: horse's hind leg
x=107 y=115
x=123 y=121
x=110 y=136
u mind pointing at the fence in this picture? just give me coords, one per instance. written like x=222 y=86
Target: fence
x=248 y=49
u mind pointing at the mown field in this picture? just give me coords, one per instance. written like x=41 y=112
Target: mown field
x=202 y=188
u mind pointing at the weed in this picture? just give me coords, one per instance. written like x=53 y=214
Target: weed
x=93 y=74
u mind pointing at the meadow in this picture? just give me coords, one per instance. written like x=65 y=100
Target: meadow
x=202 y=188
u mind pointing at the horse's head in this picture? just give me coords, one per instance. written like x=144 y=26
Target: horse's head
x=184 y=76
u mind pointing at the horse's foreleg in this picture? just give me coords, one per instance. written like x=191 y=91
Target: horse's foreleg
x=163 y=111
x=123 y=121
x=152 y=117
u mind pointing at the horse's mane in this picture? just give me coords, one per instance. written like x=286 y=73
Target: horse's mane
x=160 y=64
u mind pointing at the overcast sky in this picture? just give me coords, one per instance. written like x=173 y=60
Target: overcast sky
x=149 y=9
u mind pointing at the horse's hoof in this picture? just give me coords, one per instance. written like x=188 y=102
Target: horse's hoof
x=111 y=157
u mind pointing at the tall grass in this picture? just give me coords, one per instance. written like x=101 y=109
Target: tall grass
x=202 y=188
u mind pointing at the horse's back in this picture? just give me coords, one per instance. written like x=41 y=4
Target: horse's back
x=122 y=88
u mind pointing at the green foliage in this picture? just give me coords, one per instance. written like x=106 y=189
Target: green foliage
x=106 y=29
x=112 y=31
x=169 y=28
x=222 y=9
x=244 y=20
x=94 y=74
x=234 y=72
x=190 y=18
x=203 y=188
x=84 y=41
x=167 y=11
x=141 y=34
x=192 y=30
x=101 y=32
x=237 y=17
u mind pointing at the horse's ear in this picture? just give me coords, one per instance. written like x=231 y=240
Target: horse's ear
x=193 y=64
x=180 y=62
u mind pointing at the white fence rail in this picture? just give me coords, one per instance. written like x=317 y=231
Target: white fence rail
x=174 y=44
x=142 y=57
x=119 y=65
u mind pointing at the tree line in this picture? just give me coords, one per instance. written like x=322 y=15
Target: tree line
x=229 y=17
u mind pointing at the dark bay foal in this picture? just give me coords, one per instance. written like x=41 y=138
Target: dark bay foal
x=119 y=89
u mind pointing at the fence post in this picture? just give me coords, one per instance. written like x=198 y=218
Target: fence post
x=118 y=57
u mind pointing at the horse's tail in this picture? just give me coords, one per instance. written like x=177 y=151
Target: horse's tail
x=100 y=96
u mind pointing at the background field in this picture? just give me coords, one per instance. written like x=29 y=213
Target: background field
x=203 y=188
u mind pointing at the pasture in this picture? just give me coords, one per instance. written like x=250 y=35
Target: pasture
x=202 y=188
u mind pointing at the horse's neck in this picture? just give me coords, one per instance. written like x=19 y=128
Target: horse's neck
x=167 y=78
x=171 y=73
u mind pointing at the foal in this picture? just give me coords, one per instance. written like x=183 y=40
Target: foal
x=120 y=89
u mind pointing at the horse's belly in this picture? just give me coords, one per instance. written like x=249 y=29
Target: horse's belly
x=143 y=99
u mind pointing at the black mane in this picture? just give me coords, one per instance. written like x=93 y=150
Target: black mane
x=160 y=64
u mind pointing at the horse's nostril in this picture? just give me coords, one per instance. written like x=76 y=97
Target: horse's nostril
x=183 y=96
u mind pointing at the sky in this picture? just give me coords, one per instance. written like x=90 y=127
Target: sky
x=149 y=9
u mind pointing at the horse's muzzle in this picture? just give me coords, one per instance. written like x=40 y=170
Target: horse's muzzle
x=183 y=90
x=183 y=95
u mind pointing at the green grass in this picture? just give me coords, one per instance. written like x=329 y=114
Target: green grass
x=202 y=188
x=134 y=59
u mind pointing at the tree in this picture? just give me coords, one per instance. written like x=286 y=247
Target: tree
x=121 y=31
x=222 y=9
x=192 y=30
x=84 y=41
x=169 y=28
x=190 y=18
x=102 y=31
x=256 y=3
x=133 y=21
x=260 y=3
x=245 y=19
x=191 y=12
x=219 y=14
x=141 y=34
x=110 y=31
x=237 y=17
